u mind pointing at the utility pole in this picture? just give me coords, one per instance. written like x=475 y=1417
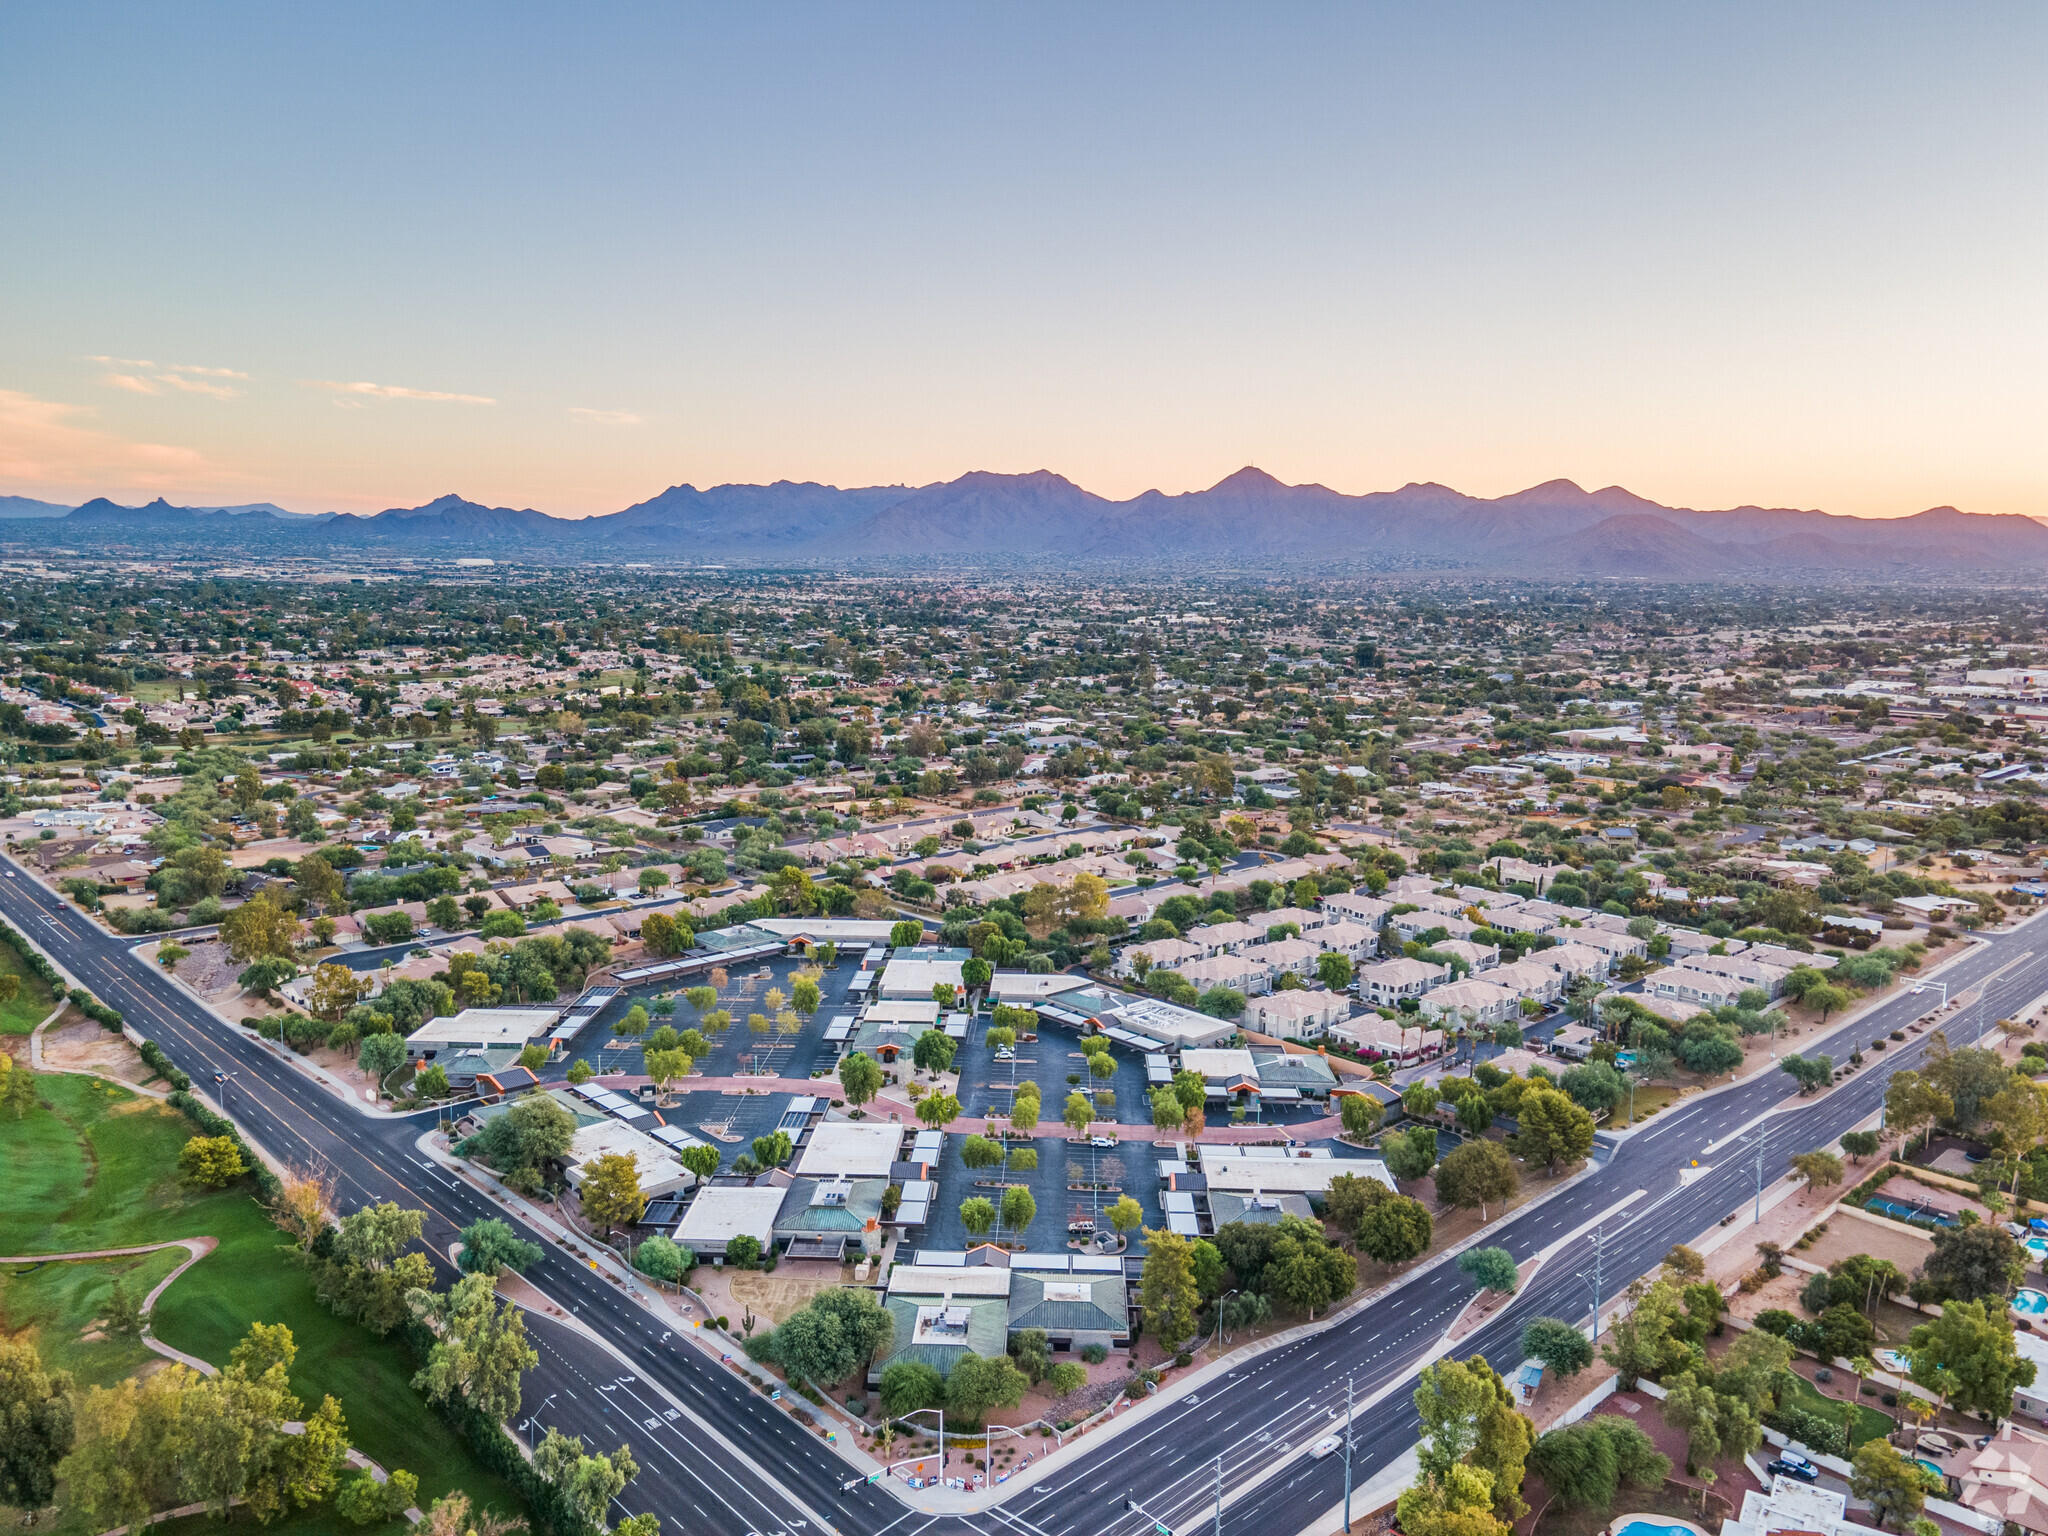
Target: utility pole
x=1347 y=1462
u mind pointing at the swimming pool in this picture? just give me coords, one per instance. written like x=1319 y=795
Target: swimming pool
x=2038 y=1247
x=1648 y=1527
x=1940 y=1477
x=2030 y=1303
x=1893 y=1361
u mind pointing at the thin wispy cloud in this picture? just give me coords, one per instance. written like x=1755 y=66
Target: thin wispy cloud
x=396 y=392
x=604 y=418
x=48 y=444
x=201 y=386
x=189 y=378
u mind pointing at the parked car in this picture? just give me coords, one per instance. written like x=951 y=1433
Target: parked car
x=1103 y=1142
x=1795 y=1466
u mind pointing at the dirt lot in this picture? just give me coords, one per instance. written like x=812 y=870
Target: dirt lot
x=1848 y=1234
x=77 y=1043
x=210 y=971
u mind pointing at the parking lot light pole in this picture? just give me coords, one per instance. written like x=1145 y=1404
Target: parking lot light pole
x=1217 y=1342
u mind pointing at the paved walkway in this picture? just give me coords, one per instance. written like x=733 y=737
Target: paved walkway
x=196 y=1248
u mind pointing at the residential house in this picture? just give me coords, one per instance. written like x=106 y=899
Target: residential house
x=1384 y=984
x=1486 y=1003
x=1247 y=973
x=1571 y=961
x=1223 y=938
x=1744 y=970
x=1165 y=954
x=1479 y=957
x=1355 y=941
x=1285 y=956
x=1296 y=1015
x=1358 y=907
x=1528 y=979
x=1403 y=1038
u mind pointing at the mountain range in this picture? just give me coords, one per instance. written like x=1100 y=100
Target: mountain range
x=1249 y=521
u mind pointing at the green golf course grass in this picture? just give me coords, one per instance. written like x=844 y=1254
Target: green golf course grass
x=21 y=1013
x=95 y=1166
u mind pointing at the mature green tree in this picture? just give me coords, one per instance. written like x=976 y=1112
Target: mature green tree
x=1478 y=1174
x=1167 y=1289
x=860 y=1078
x=610 y=1193
x=1893 y=1486
x=1562 y=1348
x=1972 y=1262
x=1552 y=1128
x=1019 y=1208
x=911 y=1385
x=1361 y=1114
x=933 y=1051
x=1492 y=1268
x=1395 y=1231
x=1468 y=1417
x=490 y=1246
x=481 y=1350
x=1410 y=1154
x=36 y=1425
x=978 y=1383
x=1584 y=1464
x=1967 y=1357
x=1305 y=1271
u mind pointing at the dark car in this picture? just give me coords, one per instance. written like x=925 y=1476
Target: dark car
x=1796 y=1466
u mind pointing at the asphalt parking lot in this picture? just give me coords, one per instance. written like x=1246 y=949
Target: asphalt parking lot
x=736 y=1051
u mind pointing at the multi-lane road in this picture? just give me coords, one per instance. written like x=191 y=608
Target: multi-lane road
x=716 y=1457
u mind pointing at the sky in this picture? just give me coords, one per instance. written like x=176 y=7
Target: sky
x=358 y=256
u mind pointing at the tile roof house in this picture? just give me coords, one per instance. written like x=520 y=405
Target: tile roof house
x=1299 y=1015
x=1488 y=1003
x=1385 y=984
x=1529 y=979
x=2008 y=1480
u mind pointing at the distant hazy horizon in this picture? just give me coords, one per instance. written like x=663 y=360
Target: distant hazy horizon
x=356 y=259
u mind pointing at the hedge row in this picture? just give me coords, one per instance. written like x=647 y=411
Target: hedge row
x=32 y=958
x=1828 y=1436
x=554 y=1514
x=94 y=1009
x=160 y=1064
x=268 y=1184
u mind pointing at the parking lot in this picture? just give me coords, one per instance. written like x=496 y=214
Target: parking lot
x=1130 y=1169
x=736 y=1051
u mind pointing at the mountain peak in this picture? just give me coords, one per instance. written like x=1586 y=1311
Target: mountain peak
x=1250 y=478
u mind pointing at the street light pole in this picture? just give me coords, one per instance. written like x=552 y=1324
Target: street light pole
x=223 y=1078
x=1217 y=1342
x=1347 y=1454
x=1219 y=1493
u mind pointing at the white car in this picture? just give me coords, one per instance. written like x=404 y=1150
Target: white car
x=1326 y=1447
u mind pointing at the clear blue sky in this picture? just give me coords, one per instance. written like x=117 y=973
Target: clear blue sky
x=1724 y=253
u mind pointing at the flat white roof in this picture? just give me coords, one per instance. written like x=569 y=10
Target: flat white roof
x=722 y=1212
x=486 y=1026
x=1285 y=1175
x=850 y=1149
